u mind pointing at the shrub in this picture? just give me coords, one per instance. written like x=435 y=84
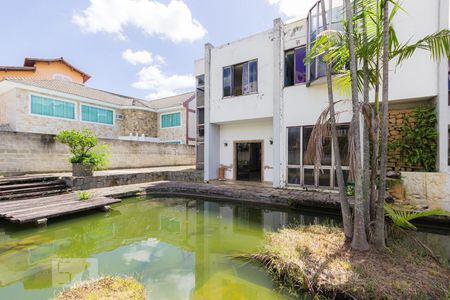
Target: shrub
x=84 y=148
x=84 y=195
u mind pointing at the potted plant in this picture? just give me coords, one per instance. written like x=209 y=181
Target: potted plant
x=87 y=154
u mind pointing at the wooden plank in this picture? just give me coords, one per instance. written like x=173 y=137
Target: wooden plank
x=82 y=206
x=25 y=202
x=19 y=210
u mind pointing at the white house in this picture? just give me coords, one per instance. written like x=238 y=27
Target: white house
x=260 y=100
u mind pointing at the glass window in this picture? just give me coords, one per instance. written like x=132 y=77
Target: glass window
x=201 y=116
x=200 y=97
x=201 y=81
x=289 y=68
x=97 y=115
x=200 y=153
x=227 y=88
x=294 y=146
x=294 y=176
x=173 y=142
x=170 y=120
x=52 y=108
x=326 y=156
x=308 y=177
x=343 y=144
x=300 y=68
x=325 y=178
x=240 y=79
x=306 y=135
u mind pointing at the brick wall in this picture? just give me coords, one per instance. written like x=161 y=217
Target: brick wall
x=38 y=153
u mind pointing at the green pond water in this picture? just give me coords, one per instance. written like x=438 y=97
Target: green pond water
x=178 y=248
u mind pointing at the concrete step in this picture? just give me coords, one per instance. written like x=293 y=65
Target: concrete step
x=42 y=188
x=31 y=185
x=33 y=194
x=26 y=179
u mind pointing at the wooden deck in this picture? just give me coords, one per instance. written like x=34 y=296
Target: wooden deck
x=39 y=210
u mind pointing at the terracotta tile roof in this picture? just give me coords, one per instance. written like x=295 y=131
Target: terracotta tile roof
x=30 y=62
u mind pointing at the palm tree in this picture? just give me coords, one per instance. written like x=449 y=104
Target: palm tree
x=345 y=206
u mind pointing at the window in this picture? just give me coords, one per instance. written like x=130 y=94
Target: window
x=97 y=115
x=171 y=120
x=317 y=68
x=295 y=69
x=52 y=108
x=62 y=77
x=241 y=79
x=301 y=172
x=173 y=142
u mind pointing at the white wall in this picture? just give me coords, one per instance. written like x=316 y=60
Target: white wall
x=246 y=107
x=241 y=131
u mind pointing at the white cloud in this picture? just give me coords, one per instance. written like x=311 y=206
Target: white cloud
x=293 y=8
x=137 y=57
x=173 y=21
x=160 y=84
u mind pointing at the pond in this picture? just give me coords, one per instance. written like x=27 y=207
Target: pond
x=178 y=248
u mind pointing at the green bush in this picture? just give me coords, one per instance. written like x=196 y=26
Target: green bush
x=418 y=143
x=85 y=148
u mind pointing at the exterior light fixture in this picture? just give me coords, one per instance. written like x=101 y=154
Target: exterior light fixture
x=225 y=143
x=271 y=141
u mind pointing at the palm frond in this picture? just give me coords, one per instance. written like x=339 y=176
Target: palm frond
x=401 y=218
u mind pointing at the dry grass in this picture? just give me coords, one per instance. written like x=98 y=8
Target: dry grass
x=106 y=288
x=316 y=259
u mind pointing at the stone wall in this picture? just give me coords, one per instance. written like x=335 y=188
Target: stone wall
x=38 y=153
x=140 y=122
x=396 y=120
x=427 y=190
x=85 y=183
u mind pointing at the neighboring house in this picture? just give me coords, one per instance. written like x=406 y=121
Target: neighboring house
x=49 y=69
x=261 y=100
x=176 y=117
x=48 y=106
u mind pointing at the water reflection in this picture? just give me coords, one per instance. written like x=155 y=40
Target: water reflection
x=179 y=249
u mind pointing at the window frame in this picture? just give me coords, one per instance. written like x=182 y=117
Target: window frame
x=232 y=78
x=295 y=65
x=75 y=105
x=169 y=113
x=302 y=167
x=99 y=107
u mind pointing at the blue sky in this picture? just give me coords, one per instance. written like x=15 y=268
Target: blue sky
x=140 y=48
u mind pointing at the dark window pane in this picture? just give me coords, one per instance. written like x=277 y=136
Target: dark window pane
x=200 y=153
x=300 y=68
x=308 y=178
x=293 y=176
x=306 y=135
x=346 y=174
x=325 y=178
x=327 y=148
x=200 y=80
x=294 y=146
x=201 y=116
x=201 y=132
x=200 y=97
x=227 y=74
x=289 y=68
x=343 y=144
x=253 y=76
x=237 y=80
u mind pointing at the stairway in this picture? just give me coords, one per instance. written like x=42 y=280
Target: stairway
x=23 y=187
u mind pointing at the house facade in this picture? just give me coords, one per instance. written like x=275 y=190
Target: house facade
x=261 y=100
x=44 y=101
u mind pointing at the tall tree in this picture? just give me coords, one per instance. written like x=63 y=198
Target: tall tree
x=345 y=206
x=379 y=221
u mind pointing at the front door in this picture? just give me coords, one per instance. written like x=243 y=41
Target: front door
x=248 y=161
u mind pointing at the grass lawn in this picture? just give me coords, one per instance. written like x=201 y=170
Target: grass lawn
x=316 y=259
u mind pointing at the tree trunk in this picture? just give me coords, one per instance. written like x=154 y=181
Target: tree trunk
x=366 y=141
x=379 y=222
x=359 y=241
x=345 y=206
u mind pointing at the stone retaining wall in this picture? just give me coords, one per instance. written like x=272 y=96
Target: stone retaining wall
x=22 y=153
x=86 y=183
